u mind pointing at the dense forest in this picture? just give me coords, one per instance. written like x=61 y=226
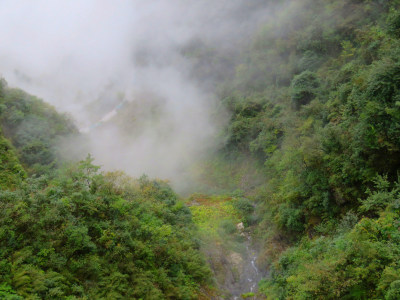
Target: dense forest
x=315 y=99
x=309 y=164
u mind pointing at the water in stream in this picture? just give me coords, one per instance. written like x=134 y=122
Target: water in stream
x=250 y=275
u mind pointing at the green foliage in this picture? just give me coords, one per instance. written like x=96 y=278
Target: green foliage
x=33 y=127
x=314 y=107
x=210 y=213
x=6 y=292
x=310 y=60
x=228 y=226
x=85 y=234
x=394 y=291
x=356 y=263
x=304 y=88
x=393 y=24
x=380 y=198
x=244 y=206
x=325 y=154
x=247 y=295
x=11 y=171
x=316 y=99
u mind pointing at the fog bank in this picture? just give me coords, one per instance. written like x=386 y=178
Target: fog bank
x=89 y=57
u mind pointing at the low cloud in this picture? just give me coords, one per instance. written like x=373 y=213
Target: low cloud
x=88 y=57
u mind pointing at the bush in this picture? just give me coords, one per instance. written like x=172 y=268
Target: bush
x=228 y=226
x=384 y=82
x=393 y=24
x=244 y=206
x=394 y=291
x=304 y=88
x=310 y=61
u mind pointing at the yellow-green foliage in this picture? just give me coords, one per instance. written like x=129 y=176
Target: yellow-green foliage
x=210 y=211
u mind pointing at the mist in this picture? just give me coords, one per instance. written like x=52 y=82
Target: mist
x=119 y=69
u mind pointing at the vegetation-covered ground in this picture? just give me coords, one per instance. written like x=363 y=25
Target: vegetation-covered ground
x=315 y=99
x=314 y=105
x=73 y=232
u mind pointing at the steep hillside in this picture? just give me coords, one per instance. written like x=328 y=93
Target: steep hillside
x=73 y=232
x=315 y=100
x=309 y=163
x=11 y=171
x=85 y=235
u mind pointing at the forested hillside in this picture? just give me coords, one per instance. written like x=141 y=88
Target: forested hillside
x=72 y=232
x=306 y=176
x=315 y=99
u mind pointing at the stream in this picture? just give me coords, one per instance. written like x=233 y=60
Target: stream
x=249 y=275
x=232 y=251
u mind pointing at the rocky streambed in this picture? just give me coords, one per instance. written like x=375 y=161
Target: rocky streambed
x=249 y=272
x=237 y=272
x=229 y=247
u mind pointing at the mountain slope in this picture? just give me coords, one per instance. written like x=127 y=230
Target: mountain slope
x=315 y=100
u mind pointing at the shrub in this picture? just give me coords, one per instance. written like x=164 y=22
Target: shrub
x=304 y=88
x=393 y=24
x=244 y=205
x=394 y=291
x=228 y=226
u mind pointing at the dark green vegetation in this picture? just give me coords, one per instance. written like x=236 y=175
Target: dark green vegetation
x=74 y=233
x=11 y=171
x=316 y=99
